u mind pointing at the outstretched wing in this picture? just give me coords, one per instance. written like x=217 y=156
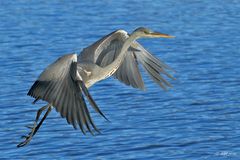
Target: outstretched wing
x=104 y=52
x=155 y=67
x=62 y=86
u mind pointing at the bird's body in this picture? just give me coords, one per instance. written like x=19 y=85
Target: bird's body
x=64 y=83
x=89 y=73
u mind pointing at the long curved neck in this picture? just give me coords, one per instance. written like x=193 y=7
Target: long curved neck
x=112 y=67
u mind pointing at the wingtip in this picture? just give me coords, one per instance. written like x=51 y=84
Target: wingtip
x=105 y=117
x=143 y=89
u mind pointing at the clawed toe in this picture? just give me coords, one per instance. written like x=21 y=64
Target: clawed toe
x=34 y=128
x=27 y=137
x=31 y=126
x=27 y=140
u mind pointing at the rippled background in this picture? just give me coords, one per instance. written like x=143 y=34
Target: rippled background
x=197 y=119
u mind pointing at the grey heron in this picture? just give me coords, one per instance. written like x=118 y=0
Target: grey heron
x=64 y=83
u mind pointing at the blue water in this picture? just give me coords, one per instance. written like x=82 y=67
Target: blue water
x=197 y=119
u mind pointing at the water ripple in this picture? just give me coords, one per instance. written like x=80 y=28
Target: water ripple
x=197 y=119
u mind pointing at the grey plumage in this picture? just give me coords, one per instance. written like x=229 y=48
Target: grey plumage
x=104 y=52
x=64 y=83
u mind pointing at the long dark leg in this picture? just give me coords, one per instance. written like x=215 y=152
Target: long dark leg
x=44 y=117
x=36 y=127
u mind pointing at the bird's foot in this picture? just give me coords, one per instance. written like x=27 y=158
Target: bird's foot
x=29 y=136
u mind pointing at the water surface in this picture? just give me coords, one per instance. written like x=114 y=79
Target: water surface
x=197 y=119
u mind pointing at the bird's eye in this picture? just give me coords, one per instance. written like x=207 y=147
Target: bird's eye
x=146 y=31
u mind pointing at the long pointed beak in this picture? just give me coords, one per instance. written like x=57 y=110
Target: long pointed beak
x=162 y=35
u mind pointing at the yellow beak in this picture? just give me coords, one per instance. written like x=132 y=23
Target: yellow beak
x=162 y=35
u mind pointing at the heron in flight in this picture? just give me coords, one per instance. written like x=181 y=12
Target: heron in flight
x=64 y=83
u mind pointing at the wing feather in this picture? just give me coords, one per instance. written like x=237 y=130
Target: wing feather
x=58 y=85
x=105 y=50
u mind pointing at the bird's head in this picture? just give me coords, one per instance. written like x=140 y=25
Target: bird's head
x=145 y=32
